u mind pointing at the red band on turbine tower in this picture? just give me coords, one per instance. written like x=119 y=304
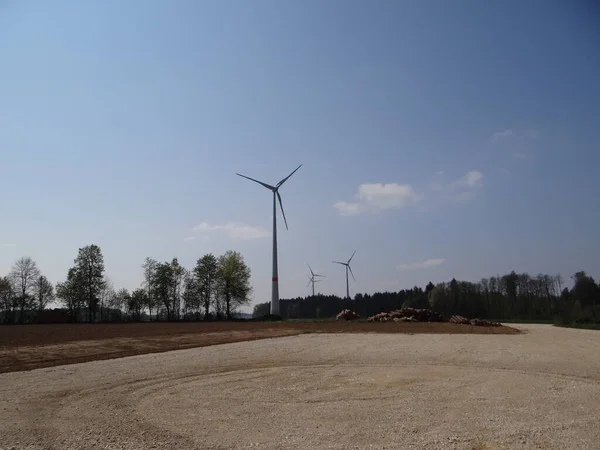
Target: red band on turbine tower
x=274 y=279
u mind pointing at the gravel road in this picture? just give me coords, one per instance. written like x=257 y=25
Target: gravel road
x=536 y=390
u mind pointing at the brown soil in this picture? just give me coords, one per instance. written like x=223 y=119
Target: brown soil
x=26 y=347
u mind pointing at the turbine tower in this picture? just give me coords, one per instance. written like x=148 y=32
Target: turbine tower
x=276 y=196
x=312 y=279
x=347 y=264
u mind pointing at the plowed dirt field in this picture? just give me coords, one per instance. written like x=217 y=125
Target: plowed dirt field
x=25 y=347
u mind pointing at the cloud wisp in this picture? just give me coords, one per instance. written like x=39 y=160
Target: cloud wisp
x=234 y=230
x=519 y=140
x=428 y=263
x=379 y=196
x=500 y=136
x=513 y=133
x=471 y=179
x=375 y=197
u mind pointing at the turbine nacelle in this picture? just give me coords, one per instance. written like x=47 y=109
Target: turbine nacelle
x=314 y=274
x=274 y=189
x=347 y=264
x=348 y=268
x=312 y=278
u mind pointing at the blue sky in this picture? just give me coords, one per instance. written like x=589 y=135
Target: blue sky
x=438 y=139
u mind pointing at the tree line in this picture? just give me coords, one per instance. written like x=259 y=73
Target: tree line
x=511 y=297
x=214 y=288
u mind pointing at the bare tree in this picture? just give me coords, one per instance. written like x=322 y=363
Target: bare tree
x=190 y=295
x=44 y=292
x=179 y=273
x=7 y=299
x=23 y=276
x=164 y=287
x=120 y=300
x=135 y=304
x=558 y=279
x=71 y=293
x=90 y=265
x=206 y=274
x=107 y=294
x=150 y=266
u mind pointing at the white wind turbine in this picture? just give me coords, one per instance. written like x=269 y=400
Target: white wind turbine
x=312 y=279
x=347 y=264
x=276 y=196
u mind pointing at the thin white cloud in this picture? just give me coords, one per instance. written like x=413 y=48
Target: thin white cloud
x=428 y=263
x=515 y=134
x=347 y=209
x=391 y=195
x=374 y=197
x=379 y=196
x=519 y=142
x=233 y=229
x=502 y=135
x=464 y=189
x=472 y=178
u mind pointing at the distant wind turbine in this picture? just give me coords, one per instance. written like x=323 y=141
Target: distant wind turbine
x=312 y=279
x=347 y=264
x=276 y=196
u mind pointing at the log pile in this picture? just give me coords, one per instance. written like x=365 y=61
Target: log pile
x=347 y=314
x=416 y=315
x=475 y=322
x=408 y=315
x=460 y=320
x=484 y=323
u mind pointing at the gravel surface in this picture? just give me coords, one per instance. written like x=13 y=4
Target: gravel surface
x=539 y=389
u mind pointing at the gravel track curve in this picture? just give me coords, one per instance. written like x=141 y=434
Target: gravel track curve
x=535 y=390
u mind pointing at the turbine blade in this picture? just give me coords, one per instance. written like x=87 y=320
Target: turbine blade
x=285 y=179
x=309 y=281
x=337 y=262
x=317 y=275
x=282 y=211
x=268 y=186
x=352 y=257
x=311 y=271
x=351 y=272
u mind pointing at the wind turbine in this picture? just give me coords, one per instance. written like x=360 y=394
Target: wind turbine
x=347 y=264
x=276 y=196
x=312 y=279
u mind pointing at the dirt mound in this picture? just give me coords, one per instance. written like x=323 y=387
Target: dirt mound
x=408 y=315
x=347 y=314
